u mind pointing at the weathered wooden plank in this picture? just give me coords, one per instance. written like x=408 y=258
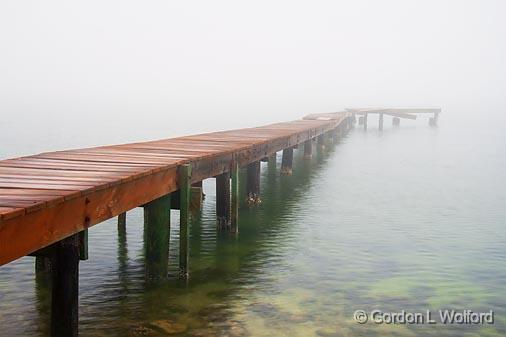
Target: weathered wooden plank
x=34 y=192
x=7 y=213
x=41 y=161
x=60 y=174
x=117 y=160
x=64 y=180
x=46 y=186
x=84 y=166
x=400 y=115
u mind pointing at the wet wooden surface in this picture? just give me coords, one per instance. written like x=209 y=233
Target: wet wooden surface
x=47 y=197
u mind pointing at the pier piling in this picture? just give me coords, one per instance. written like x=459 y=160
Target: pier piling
x=272 y=160
x=287 y=161
x=308 y=149
x=156 y=237
x=320 y=141
x=223 y=200
x=396 y=121
x=197 y=196
x=335 y=135
x=184 y=178
x=433 y=120
x=65 y=287
x=83 y=245
x=122 y=221
x=42 y=264
x=253 y=183
x=234 y=216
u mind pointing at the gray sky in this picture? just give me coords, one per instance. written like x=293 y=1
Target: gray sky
x=114 y=71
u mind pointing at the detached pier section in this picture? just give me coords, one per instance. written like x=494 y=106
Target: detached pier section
x=48 y=201
x=396 y=113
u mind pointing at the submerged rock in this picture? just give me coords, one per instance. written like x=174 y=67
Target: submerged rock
x=237 y=330
x=328 y=333
x=140 y=330
x=169 y=327
x=203 y=332
x=297 y=318
x=212 y=314
x=230 y=328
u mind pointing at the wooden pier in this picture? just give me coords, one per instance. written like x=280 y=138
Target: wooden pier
x=49 y=200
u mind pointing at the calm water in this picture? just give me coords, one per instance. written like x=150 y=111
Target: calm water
x=408 y=219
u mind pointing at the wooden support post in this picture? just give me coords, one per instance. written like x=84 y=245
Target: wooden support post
x=83 y=245
x=272 y=164
x=335 y=135
x=234 y=218
x=184 y=178
x=381 y=121
x=123 y=252
x=327 y=139
x=433 y=120
x=287 y=161
x=361 y=120
x=122 y=222
x=272 y=160
x=42 y=264
x=65 y=287
x=223 y=200
x=396 y=121
x=156 y=237
x=197 y=196
x=365 y=121
x=253 y=183
x=308 y=149
x=320 y=140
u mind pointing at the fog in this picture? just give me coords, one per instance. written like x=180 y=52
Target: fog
x=85 y=73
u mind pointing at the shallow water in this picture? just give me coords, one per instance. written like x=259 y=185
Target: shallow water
x=408 y=219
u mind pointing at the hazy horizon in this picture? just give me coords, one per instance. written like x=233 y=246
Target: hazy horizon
x=89 y=73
